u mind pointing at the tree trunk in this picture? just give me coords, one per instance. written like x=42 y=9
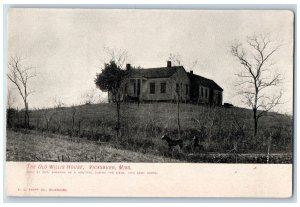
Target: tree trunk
x=118 y=118
x=73 y=123
x=255 y=121
x=26 y=116
x=178 y=118
x=79 y=127
x=269 y=147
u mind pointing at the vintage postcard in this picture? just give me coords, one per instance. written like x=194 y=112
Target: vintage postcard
x=149 y=103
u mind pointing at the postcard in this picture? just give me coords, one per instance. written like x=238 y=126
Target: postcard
x=149 y=103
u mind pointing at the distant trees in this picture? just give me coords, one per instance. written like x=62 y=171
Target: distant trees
x=20 y=76
x=119 y=56
x=58 y=102
x=109 y=80
x=90 y=97
x=48 y=116
x=10 y=111
x=257 y=75
x=10 y=98
x=177 y=60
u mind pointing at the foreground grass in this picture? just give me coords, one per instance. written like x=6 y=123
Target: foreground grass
x=224 y=129
x=37 y=146
x=30 y=145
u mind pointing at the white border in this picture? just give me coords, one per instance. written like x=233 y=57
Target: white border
x=165 y=3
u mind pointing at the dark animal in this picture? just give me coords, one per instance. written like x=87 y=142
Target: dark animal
x=172 y=142
x=196 y=144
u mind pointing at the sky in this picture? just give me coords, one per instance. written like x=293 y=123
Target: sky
x=66 y=46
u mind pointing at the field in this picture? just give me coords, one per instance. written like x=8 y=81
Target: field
x=37 y=146
x=222 y=131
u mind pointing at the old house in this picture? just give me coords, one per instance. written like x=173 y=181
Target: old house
x=204 y=90
x=157 y=84
x=167 y=84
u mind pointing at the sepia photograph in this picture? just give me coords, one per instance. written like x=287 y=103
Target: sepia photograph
x=150 y=86
x=149 y=102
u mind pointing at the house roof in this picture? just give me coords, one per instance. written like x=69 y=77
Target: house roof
x=163 y=72
x=204 y=81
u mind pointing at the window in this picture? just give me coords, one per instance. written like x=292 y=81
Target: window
x=186 y=89
x=152 y=88
x=134 y=88
x=201 y=91
x=177 y=87
x=206 y=92
x=133 y=85
x=163 y=87
x=138 y=87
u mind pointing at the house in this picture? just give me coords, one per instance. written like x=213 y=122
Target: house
x=205 y=90
x=157 y=84
x=168 y=84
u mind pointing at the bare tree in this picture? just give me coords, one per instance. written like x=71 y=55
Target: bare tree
x=119 y=56
x=207 y=122
x=58 y=102
x=177 y=60
x=19 y=75
x=73 y=114
x=10 y=99
x=10 y=111
x=48 y=116
x=89 y=96
x=258 y=75
x=178 y=109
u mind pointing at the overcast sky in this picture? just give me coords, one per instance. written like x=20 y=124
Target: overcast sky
x=66 y=46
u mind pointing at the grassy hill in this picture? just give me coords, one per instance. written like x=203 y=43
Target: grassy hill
x=221 y=129
x=37 y=146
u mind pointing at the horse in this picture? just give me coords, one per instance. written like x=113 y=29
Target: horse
x=172 y=142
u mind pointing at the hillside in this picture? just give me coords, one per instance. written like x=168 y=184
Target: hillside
x=221 y=130
x=36 y=146
x=163 y=114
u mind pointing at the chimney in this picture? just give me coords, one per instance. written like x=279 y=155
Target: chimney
x=128 y=66
x=191 y=72
x=169 y=64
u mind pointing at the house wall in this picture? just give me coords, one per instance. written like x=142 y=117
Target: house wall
x=179 y=77
x=157 y=96
x=218 y=97
x=204 y=94
x=213 y=96
x=130 y=84
x=182 y=79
